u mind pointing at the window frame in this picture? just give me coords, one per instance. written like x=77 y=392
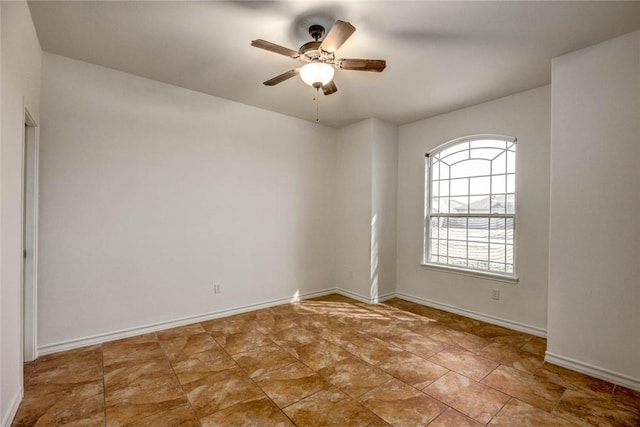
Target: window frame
x=511 y=277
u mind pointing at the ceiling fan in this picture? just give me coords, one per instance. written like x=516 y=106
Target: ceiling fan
x=318 y=57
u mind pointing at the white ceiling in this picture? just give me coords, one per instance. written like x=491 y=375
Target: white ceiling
x=441 y=55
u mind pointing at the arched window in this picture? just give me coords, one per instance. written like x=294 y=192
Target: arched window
x=470 y=204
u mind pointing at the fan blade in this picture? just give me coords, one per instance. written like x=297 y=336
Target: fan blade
x=338 y=34
x=282 y=77
x=272 y=47
x=362 y=64
x=329 y=88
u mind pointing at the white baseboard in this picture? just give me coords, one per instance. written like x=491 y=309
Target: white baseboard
x=362 y=298
x=129 y=332
x=154 y=327
x=566 y=362
x=13 y=409
x=521 y=327
x=592 y=370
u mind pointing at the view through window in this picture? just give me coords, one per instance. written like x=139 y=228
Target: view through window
x=470 y=204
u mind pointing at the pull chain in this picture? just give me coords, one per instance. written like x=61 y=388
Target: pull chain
x=317 y=105
x=317 y=99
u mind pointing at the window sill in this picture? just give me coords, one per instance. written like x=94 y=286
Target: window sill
x=472 y=273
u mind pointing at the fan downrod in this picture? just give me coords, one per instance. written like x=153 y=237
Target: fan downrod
x=316 y=32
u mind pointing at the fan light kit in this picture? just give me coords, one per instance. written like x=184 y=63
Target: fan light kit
x=317 y=74
x=318 y=58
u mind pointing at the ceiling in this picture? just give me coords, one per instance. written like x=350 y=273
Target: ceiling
x=441 y=55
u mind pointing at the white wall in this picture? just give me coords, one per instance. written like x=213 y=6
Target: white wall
x=150 y=194
x=353 y=208
x=20 y=80
x=525 y=116
x=384 y=201
x=594 y=274
x=366 y=206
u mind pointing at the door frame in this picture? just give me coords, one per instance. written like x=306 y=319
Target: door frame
x=29 y=264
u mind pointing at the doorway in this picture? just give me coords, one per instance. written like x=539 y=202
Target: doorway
x=29 y=237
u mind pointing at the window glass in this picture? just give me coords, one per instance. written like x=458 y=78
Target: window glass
x=471 y=201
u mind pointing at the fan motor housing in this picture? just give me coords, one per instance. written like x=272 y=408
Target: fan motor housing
x=311 y=49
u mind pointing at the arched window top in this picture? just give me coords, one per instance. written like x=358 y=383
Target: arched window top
x=470 y=204
x=474 y=174
x=480 y=147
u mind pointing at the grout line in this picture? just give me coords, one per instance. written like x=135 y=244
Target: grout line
x=172 y=370
x=329 y=383
x=447 y=407
x=184 y=393
x=612 y=395
x=250 y=377
x=559 y=399
x=289 y=364
x=491 y=372
x=556 y=406
x=356 y=399
x=501 y=408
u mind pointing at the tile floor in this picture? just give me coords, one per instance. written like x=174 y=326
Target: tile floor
x=326 y=361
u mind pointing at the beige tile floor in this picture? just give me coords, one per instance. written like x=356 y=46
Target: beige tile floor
x=326 y=361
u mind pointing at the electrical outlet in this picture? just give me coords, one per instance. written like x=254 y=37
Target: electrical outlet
x=495 y=294
x=351 y=275
x=216 y=289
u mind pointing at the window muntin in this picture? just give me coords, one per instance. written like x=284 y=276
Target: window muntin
x=470 y=204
